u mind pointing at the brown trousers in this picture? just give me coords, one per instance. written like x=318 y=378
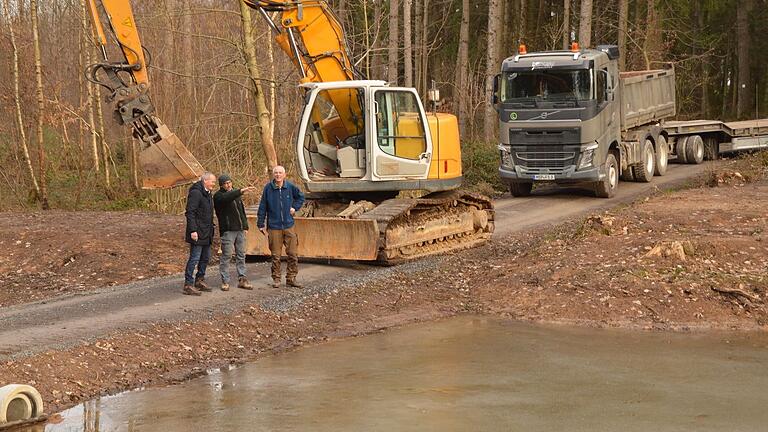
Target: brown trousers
x=289 y=239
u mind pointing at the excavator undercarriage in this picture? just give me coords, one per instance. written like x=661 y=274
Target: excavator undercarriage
x=390 y=231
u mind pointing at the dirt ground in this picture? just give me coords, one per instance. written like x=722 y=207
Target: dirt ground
x=47 y=254
x=685 y=260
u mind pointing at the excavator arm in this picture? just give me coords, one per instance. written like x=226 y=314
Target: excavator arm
x=164 y=160
x=311 y=35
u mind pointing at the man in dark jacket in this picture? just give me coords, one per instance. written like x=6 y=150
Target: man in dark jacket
x=233 y=224
x=279 y=202
x=199 y=233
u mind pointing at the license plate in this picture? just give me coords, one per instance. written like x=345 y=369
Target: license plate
x=544 y=177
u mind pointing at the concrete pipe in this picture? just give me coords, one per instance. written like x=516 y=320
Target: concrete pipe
x=19 y=402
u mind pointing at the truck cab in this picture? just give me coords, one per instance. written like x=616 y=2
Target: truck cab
x=559 y=117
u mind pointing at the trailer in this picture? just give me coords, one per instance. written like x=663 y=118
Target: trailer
x=694 y=141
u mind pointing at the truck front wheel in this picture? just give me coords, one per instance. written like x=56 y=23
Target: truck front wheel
x=520 y=189
x=607 y=187
x=644 y=170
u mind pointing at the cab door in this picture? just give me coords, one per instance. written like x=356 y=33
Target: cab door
x=402 y=145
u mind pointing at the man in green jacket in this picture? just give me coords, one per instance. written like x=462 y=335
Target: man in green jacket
x=232 y=226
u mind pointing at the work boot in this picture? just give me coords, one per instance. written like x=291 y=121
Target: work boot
x=224 y=286
x=190 y=290
x=243 y=283
x=275 y=283
x=202 y=286
x=293 y=283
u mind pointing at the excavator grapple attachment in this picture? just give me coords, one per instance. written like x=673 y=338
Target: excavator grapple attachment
x=167 y=163
x=331 y=238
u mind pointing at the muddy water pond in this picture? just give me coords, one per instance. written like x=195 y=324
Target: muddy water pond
x=467 y=374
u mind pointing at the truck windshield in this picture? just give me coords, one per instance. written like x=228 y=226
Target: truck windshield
x=532 y=86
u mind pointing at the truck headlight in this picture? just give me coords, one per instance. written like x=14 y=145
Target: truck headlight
x=587 y=157
x=506 y=156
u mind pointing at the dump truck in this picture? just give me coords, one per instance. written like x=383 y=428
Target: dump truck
x=570 y=116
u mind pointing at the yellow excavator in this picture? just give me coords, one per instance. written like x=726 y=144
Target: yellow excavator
x=360 y=144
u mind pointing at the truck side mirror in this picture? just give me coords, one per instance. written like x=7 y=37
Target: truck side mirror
x=495 y=97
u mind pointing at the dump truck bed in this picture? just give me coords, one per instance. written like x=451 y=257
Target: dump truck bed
x=646 y=97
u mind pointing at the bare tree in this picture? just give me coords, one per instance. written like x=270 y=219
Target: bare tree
x=17 y=99
x=88 y=49
x=424 y=52
x=623 y=20
x=652 y=48
x=40 y=106
x=407 y=44
x=744 y=83
x=460 y=102
x=262 y=113
x=494 y=27
x=585 y=24
x=394 y=39
x=567 y=23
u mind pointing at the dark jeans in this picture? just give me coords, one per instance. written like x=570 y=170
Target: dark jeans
x=198 y=257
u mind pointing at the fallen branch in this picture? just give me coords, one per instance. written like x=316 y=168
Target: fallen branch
x=737 y=292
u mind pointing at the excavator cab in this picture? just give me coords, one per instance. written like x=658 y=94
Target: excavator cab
x=378 y=140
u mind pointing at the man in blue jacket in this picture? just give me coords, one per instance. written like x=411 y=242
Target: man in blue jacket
x=279 y=202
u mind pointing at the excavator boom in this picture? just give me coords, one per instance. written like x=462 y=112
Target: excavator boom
x=164 y=160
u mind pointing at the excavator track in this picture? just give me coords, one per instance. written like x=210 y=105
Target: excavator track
x=440 y=222
x=388 y=232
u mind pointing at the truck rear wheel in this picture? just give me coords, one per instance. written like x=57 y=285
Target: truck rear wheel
x=694 y=149
x=520 y=189
x=643 y=171
x=680 y=149
x=711 y=148
x=662 y=156
x=607 y=187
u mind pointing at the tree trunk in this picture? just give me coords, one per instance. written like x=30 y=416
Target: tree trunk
x=567 y=23
x=462 y=66
x=523 y=23
x=744 y=86
x=394 y=39
x=424 y=50
x=262 y=113
x=407 y=47
x=417 y=52
x=40 y=106
x=187 y=59
x=105 y=153
x=89 y=105
x=491 y=66
x=623 y=20
x=585 y=24
x=17 y=100
x=376 y=55
x=652 y=48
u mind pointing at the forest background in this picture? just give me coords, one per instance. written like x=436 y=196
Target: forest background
x=226 y=89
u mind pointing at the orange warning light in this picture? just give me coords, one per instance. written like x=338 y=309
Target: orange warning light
x=522 y=49
x=575 y=47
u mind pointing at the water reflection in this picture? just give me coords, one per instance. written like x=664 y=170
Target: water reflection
x=466 y=374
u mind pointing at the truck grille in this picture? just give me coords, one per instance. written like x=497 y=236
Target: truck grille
x=545 y=161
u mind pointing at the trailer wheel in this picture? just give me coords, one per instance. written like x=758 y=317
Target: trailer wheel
x=662 y=156
x=711 y=148
x=643 y=171
x=680 y=149
x=520 y=189
x=607 y=187
x=694 y=149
